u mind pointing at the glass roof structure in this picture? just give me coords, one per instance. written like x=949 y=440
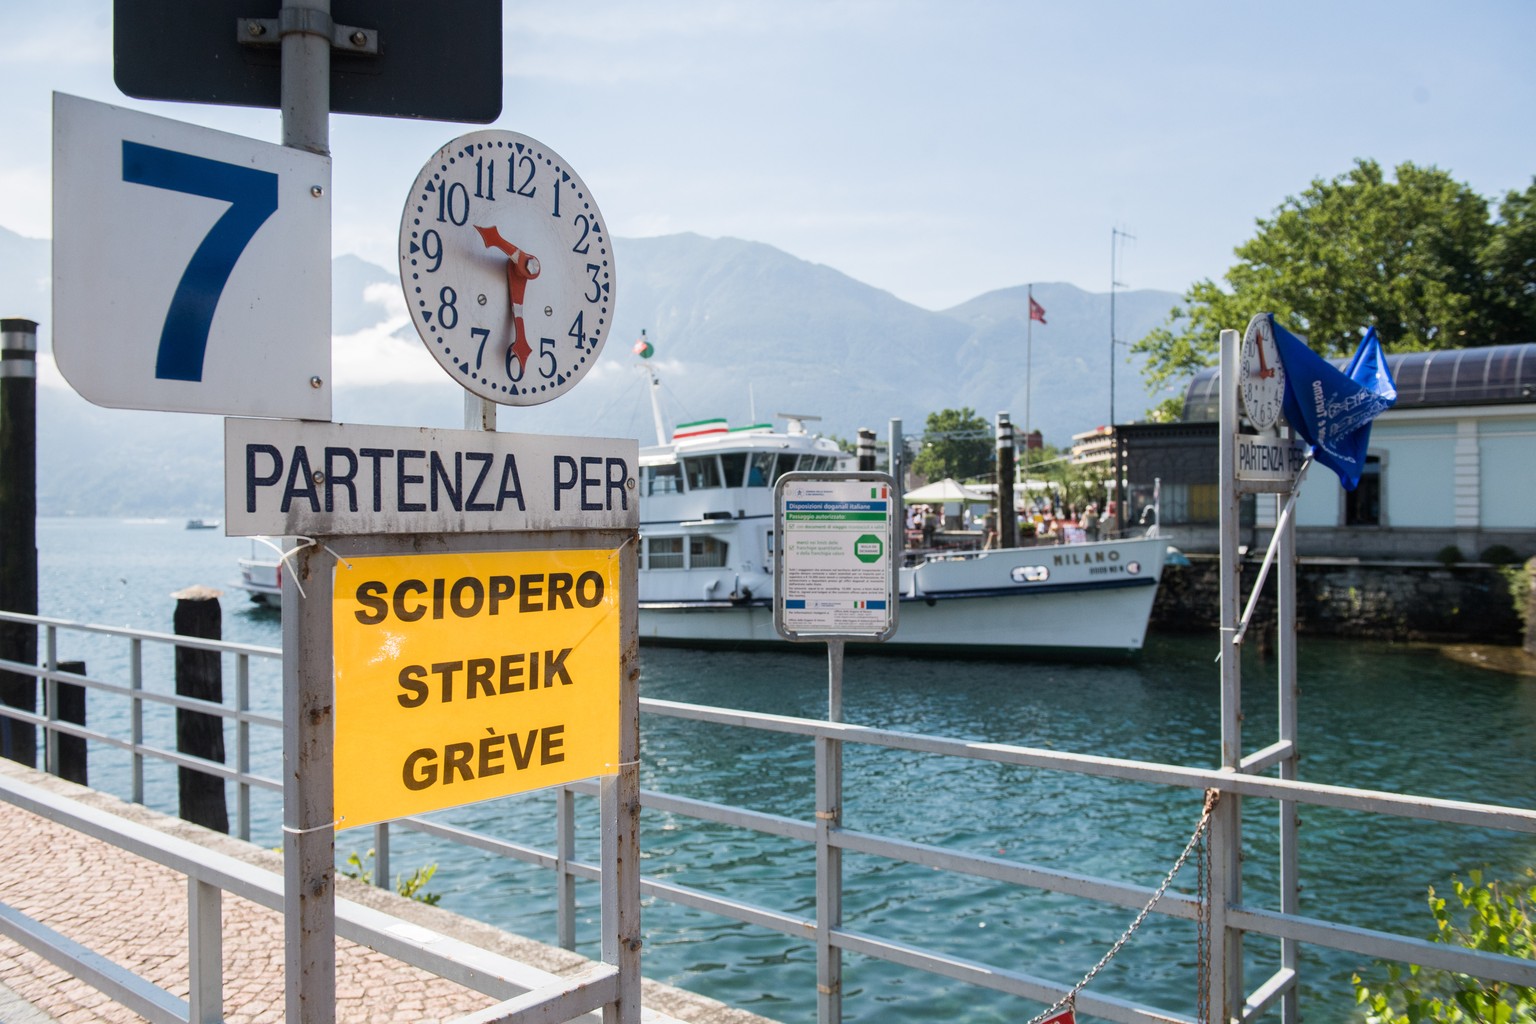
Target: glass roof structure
x=1491 y=375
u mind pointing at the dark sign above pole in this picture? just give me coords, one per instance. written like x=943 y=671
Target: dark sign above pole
x=389 y=58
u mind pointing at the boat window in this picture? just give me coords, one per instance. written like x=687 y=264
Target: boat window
x=786 y=464
x=817 y=463
x=735 y=466
x=760 y=473
x=663 y=479
x=706 y=552
x=664 y=552
x=702 y=472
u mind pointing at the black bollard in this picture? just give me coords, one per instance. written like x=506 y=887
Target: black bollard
x=18 y=530
x=71 y=698
x=200 y=674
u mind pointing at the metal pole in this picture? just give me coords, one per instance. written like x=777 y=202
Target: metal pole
x=1226 y=950
x=898 y=471
x=309 y=838
x=18 y=529
x=1286 y=645
x=1007 y=519
x=619 y=796
x=829 y=859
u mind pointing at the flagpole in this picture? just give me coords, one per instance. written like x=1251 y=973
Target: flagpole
x=1029 y=364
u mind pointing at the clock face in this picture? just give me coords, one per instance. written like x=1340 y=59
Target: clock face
x=507 y=267
x=1260 y=375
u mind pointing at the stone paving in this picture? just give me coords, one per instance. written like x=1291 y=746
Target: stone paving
x=133 y=912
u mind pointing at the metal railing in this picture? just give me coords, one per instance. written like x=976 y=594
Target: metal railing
x=237 y=710
x=825 y=834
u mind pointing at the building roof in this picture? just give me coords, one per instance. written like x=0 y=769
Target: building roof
x=1491 y=375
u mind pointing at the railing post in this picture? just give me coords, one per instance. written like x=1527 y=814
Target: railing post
x=565 y=881
x=136 y=714
x=829 y=881
x=205 y=953
x=51 y=700
x=243 y=745
x=381 y=856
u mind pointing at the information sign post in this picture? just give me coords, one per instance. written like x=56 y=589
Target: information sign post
x=834 y=580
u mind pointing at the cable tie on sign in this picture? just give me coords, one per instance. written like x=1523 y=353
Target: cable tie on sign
x=290 y=830
x=284 y=556
x=332 y=552
x=622 y=764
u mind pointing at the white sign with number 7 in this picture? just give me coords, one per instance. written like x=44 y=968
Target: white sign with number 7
x=191 y=268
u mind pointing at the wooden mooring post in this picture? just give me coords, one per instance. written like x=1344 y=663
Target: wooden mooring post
x=18 y=530
x=200 y=674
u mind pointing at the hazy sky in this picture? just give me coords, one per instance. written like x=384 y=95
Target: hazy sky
x=937 y=150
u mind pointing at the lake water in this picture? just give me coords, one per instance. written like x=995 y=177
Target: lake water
x=1397 y=718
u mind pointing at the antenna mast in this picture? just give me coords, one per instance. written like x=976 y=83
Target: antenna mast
x=1115 y=234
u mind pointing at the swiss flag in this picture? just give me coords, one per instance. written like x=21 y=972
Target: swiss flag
x=1065 y=1016
x=1037 y=312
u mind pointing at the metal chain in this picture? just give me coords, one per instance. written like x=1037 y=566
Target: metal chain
x=1203 y=921
x=1194 y=841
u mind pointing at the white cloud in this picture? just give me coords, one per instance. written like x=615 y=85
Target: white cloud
x=376 y=355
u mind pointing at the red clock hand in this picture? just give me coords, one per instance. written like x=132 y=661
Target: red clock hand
x=522 y=267
x=1264 y=370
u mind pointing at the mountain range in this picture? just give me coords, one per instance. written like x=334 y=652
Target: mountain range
x=740 y=329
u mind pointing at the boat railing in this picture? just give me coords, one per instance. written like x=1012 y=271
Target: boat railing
x=820 y=830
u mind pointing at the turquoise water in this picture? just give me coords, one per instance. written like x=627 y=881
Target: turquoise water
x=1403 y=719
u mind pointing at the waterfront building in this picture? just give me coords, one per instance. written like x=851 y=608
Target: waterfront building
x=1451 y=465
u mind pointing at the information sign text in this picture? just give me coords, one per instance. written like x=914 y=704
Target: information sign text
x=836 y=575
x=284 y=478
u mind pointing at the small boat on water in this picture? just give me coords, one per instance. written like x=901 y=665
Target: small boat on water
x=204 y=524
x=261 y=577
x=706 y=526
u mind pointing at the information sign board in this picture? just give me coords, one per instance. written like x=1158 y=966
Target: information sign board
x=835 y=572
x=439 y=60
x=286 y=478
x=462 y=677
x=191 y=268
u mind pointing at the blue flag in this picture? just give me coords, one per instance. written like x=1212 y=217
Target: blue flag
x=1332 y=409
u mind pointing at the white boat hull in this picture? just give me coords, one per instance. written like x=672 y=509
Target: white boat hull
x=1090 y=601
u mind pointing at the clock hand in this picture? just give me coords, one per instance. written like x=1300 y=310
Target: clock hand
x=522 y=267
x=1264 y=371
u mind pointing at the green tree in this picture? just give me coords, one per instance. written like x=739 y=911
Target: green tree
x=956 y=443
x=1418 y=258
x=1493 y=918
x=1509 y=262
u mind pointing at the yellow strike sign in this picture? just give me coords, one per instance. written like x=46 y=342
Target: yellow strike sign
x=465 y=677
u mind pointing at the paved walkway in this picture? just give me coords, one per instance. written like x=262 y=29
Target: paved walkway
x=133 y=912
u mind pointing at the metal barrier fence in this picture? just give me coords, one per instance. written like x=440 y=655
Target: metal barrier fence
x=824 y=833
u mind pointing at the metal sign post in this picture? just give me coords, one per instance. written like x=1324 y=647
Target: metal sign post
x=834 y=580
x=1270 y=464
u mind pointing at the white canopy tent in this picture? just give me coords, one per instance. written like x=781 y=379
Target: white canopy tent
x=946 y=490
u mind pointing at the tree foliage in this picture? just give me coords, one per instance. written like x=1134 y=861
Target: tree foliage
x=956 y=443
x=1417 y=257
x=1493 y=918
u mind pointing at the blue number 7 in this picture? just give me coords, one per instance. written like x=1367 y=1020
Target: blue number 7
x=252 y=196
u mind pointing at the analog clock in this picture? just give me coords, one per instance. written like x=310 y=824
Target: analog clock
x=507 y=267
x=1261 y=378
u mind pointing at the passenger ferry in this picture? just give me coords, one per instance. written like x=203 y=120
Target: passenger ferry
x=707 y=556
